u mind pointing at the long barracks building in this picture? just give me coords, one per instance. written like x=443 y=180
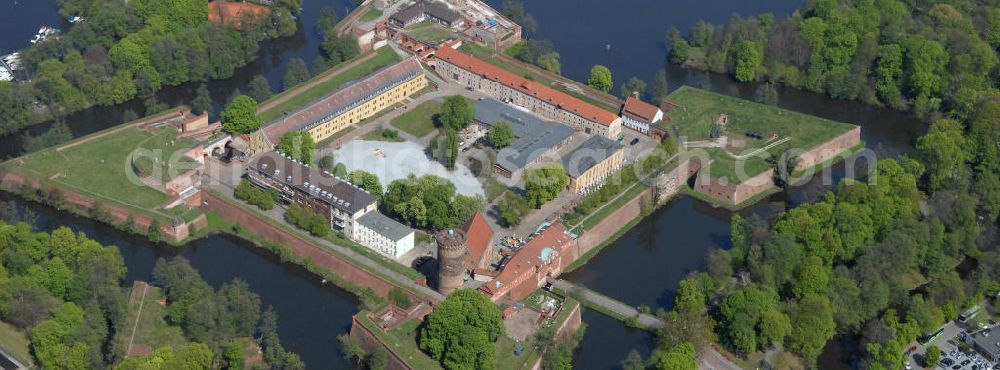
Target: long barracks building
x=352 y=104
x=349 y=208
x=511 y=88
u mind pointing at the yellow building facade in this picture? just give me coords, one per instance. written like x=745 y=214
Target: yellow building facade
x=386 y=99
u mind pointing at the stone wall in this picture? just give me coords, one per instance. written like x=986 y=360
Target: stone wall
x=830 y=149
x=733 y=194
x=119 y=215
x=367 y=338
x=319 y=255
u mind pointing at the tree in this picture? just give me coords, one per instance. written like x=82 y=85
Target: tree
x=633 y=361
x=298 y=144
x=942 y=151
x=326 y=162
x=202 y=102
x=260 y=89
x=501 y=134
x=660 y=90
x=813 y=277
x=680 y=357
x=748 y=61
x=456 y=112
x=240 y=116
x=680 y=52
x=462 y=330
x=233 y=354
x=550 y=62
x=352 y=348
x=544 y=183
x=932 y=356
x=154 y=231
x=600 y=78
x=297 y=73
x=632 y=86
x=513 y=208
x=367 y=181
x=812 y=327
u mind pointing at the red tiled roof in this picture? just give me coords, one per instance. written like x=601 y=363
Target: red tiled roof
x=478 y=234
x=537 y=90
x=529 y=256
x=639 y=109
x=222 y=12
x=342 y=98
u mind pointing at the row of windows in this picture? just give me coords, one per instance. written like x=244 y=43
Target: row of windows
x=366 y=110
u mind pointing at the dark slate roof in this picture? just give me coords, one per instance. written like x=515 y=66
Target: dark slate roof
x=348 y=97
x=989 y=343
x=534 y=135
x=593 y=151
x=385 y=226
x=340 y=193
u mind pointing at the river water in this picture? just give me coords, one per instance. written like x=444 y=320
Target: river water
x=642 y=268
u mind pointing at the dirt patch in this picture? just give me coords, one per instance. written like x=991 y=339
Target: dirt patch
x=138 y=350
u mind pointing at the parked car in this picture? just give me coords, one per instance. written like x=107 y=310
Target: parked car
x=634 y=141
x=966 y=362
x=956 y=367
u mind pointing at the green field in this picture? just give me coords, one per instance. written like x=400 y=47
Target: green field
x=419 y=121
x=99 y=166
x=152 y=329
x=163 y=151
x=15 y=342
x=383 y=57
x=429 y=32
x=697 y=111
x=379 y=135
x=371 y=15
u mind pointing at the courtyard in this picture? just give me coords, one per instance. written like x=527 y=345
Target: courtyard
x=396 y=160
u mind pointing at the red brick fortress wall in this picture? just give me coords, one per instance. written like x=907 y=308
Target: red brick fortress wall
x=302 y=248
x=830 y=149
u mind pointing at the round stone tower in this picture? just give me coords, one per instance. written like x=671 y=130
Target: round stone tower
x=452 y=249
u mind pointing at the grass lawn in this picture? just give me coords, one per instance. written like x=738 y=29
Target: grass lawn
x=384 y=57
x=698 y=110
x=99 y=167
x=166 y=152
x=429 y=32
x=15 y=342
x=492 y=187
x=403 y=341
x=152 y=330
x=380 y=135
x=371 y=15
x=419 y=121
x=507 y=360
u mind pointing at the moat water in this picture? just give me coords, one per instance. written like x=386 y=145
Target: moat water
x=642 y=268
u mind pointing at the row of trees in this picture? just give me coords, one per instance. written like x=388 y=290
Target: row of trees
x=851 y=262
x=307 y=219
x=600 y=79
x=130 y=49
x=932 y=57
x=255 y=196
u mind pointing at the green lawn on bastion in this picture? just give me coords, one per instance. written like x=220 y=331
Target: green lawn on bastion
x=99 y=165
x=697 y=110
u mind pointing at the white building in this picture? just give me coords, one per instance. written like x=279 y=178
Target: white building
x=639 y=115
x=383 y=234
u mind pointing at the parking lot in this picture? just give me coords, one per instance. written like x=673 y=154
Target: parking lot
x=953 y=358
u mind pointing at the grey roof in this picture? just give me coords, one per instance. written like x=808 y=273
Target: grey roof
x=339 y=193
x=534 y=135
x=489 y=111
x=385 y=226
x=593 y=151
x=990 y=344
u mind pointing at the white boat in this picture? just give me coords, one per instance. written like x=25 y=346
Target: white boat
x=44 y=33
x=74 y=19
x=5 y=74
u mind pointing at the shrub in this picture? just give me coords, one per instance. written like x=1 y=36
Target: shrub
x=399 y=298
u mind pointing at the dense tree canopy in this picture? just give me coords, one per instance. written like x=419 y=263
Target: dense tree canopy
x=430 y=202
x=240 y=116
x=298 y=145
x=462 y=330
x=501 y=134
x=456 y=112
x=934 y=57
x=600 y=78
x=544 y=183
x=129 y=49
